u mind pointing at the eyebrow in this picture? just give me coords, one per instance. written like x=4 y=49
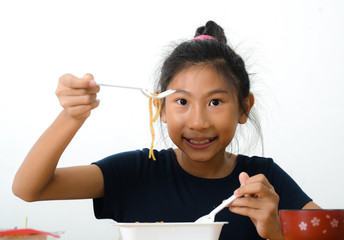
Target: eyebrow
x=213 y=92
x=218 y=91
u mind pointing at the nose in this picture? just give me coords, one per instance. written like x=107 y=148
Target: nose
x=198 y=118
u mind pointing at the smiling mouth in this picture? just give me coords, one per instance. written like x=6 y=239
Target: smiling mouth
x=200 y=142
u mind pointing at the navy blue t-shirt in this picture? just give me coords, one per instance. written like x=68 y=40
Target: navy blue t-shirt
x=137 y=188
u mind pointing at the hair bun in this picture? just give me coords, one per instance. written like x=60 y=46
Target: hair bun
x=212 y=29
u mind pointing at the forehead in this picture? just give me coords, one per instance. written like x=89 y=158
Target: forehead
x=199 y=78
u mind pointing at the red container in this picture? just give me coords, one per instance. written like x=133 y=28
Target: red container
x=312 y=224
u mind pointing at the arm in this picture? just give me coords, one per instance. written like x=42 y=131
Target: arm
x=311 y=205
x=38 y=178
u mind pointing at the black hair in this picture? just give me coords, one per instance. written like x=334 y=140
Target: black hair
x=215 y=52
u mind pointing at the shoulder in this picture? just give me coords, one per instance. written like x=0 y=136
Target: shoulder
x=262 y=165
x=281 y=181
x=132 y=166
x=255 y=164
x=136 y=159
x=136 y=155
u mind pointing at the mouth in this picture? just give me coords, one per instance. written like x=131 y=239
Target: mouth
x=199 y=143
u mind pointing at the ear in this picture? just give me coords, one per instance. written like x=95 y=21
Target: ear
x=163 y=113
x=248 y=104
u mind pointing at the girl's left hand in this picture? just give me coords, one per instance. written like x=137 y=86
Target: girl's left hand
x=257 y=199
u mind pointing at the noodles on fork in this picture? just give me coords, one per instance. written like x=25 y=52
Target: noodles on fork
x=157 y=103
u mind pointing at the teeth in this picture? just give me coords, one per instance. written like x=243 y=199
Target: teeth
x=200 y=142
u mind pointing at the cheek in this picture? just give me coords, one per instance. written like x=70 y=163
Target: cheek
x=169 y=114
x=226 y=122
x=173 y=118
x=174 y=126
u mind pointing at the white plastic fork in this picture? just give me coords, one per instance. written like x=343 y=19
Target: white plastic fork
x=209 y=218
x=144 y=91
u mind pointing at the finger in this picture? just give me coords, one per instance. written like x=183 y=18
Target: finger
x=82 y=111
x=259 y=178
x=243 y=177
x=77 y=92
x=89 y=76
x=73 y=82
x=266 y=222
x=248 y=202
x=72 y=101
x=254 y=189
x=245 y=211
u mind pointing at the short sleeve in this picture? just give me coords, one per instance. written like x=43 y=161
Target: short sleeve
x=290 y=193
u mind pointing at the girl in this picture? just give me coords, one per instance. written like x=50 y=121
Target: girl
x=212 y=97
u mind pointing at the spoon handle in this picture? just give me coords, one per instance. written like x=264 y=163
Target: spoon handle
x=223 y=205
x=118 y=86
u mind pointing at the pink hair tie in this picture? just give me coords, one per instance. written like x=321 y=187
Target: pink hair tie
x=203 y=37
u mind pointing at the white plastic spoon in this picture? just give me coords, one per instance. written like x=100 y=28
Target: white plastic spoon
x=209 y=218
x=144 y=91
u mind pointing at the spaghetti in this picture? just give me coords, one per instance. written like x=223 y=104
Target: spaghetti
x=152 y=119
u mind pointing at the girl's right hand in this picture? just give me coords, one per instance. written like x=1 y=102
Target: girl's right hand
x=38 y=178
x=78 y=96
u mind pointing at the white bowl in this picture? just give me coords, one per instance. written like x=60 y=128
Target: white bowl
x=170 y=231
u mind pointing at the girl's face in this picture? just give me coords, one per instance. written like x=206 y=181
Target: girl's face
x=203 y=113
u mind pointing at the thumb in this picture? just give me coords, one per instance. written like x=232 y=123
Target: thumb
x=90 y=77
x=243 y=176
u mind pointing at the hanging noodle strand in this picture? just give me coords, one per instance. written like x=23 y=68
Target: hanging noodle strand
x=152 y=119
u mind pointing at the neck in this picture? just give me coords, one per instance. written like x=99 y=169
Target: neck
x=219 y=167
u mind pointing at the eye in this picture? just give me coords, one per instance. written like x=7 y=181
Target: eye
x=182 y=101
x=215 y=102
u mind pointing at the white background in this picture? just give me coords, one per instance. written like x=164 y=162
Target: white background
x=294 y=48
